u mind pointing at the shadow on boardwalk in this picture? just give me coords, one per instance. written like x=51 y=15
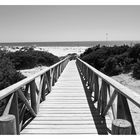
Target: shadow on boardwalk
x=100 y=122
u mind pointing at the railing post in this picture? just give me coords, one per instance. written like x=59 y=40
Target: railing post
x=50 y=79
x=121 y=127
x=8 y=125
x=96 y=87
x=104 y=95
x=14 y=110
x=123 y=111
x=33 y=96
x=43 y=88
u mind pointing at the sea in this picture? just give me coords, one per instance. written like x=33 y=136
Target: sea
x=63 y=48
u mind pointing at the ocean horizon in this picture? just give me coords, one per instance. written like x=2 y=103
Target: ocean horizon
x=71 y=43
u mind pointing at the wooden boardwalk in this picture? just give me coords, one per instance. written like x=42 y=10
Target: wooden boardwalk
x=66 y=109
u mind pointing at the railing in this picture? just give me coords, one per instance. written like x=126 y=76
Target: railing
x=110 y=96
x=23 y=98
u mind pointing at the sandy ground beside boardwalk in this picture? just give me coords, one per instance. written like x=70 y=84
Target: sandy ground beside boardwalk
x=133 y=84
x=29 y=72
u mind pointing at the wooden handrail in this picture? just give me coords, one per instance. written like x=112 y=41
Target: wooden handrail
x=128 y=93
x=25 y=95
x=109 y=94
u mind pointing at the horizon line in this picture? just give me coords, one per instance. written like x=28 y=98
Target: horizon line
x=64 y=41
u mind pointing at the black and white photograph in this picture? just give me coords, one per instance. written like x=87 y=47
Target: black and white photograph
x=69 y=70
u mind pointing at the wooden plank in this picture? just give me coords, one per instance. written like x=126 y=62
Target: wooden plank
x=66 y=105
x=64 y=115
x=63 y=122
x=64 y=111
x=60 y=126
x=64 y=119
x=60 y=131
x=66 y=102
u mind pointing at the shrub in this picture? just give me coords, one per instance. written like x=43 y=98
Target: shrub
x=110 y=60
x=111 y=67
x=134 y=52
x=29 y=58
x=136 y=70
x=8 y=73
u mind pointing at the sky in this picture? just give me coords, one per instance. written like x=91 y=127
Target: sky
x=69 y=23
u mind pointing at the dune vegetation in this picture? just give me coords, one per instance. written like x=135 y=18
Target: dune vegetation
x=114 y=60
x=12 y=62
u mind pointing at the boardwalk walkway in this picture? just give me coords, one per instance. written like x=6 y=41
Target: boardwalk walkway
x=66 y=109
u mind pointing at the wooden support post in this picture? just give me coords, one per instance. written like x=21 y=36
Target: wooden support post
x=8 y=125
x=33 y=96
x=43 y=88
x=123 y=111
x=96 y=93
x=121 y=127
x=104 y=95
x=50 y=79
x=15 y=111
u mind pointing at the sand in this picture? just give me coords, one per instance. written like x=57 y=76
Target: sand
x=29 y=72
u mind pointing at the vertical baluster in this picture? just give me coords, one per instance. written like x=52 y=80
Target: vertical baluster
x=86 y=75
x=50 y=79
x=91 y=82
x=56 y=73
x=104 y=95
x=43 y=87
x=60 y=69
x=53 y=76
x=26 y=92
x=33 y=96
x=89 y=78
x=96 y=87
x=99 y=103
